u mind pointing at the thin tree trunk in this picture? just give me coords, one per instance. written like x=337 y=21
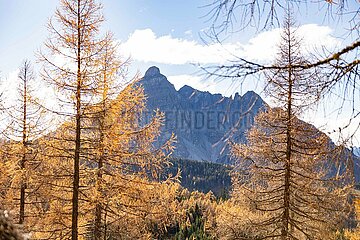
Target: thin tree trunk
x=286 y=215
x=23 y=160
x=98 y=207
x=98 y=211
x=97 y=231
x=105 y=225
x=76 y=176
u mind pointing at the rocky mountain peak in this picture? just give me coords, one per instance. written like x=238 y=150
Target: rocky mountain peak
x=202 y=121
x=186 y=91
x=250 y=94
x=160 y=92
x=152 y=72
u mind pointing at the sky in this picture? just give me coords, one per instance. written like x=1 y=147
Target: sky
x=170 y=35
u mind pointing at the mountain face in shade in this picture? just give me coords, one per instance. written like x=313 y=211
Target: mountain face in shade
x=202 y=122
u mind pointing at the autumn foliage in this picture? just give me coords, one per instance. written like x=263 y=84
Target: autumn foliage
x=89 y=165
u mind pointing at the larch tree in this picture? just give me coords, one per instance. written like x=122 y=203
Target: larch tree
x=8 y=230
x=26 y=122
x=338 y=65
x=123 y=151
x=120 y=142
x=73 y=73
x=354 y=234
x=291 y=173
x=110 y=65
x=102 y=165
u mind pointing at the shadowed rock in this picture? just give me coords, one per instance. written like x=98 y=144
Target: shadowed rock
x=203 y=122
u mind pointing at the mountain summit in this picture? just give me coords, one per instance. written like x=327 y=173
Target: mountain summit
x=152 y=71
x=203 y=122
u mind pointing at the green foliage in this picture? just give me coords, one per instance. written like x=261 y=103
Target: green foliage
x=194 y=228
x=203 y=176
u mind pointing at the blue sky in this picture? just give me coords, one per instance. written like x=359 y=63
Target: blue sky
x=166 y=34
x=23 y=23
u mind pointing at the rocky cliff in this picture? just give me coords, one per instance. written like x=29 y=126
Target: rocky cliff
x=203 y=122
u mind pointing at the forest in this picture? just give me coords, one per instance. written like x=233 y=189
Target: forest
x=87 y=167
x=202 y=176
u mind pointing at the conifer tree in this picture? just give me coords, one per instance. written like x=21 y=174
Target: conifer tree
x=294 y=176
x=26 y=123
x=74 y=40
x=120 y=140
x=102 y=165
x=8 y=230
x=338 y=65
x=126 y=161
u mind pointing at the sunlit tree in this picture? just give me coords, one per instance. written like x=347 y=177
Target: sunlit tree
x=290 y=172
x=25 y=123
x=102 y=165
x=8 y=230
x=121 y=146
x=70 y=66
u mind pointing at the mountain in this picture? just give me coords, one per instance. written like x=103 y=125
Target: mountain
x=203 y=122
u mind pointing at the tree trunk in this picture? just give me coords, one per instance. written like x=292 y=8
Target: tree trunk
x=76 y=176
x=286 y=215
x=24 y=140
x=97 y=231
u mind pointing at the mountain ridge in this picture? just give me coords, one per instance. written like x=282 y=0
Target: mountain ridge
x=203 y=122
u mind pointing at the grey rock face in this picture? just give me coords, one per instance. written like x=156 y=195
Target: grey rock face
x=204 y=123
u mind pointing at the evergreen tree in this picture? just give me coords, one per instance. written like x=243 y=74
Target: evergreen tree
x=194 y=228
x=8 y=230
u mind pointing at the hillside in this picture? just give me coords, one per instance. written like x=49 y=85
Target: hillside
x=203 y=176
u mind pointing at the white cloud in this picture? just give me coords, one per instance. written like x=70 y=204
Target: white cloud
x=144 y=45
x=262 y=47
x=317 y=37
x=9 y=85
